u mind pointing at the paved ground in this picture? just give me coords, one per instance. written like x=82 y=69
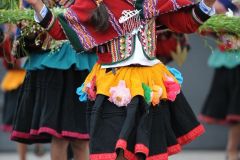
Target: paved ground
x=186 y=155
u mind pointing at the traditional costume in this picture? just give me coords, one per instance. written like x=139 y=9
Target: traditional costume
x=222 y=103
x=47 y=104
x=138 y=105
x=10 y=84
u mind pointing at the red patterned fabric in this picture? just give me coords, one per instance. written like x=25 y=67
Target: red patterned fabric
x=181 y=21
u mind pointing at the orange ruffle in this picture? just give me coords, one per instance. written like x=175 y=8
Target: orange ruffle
x=13 y=79
x=134 y=78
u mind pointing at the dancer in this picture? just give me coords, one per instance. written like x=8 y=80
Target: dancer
x=11 y=83
x=222 y=103
x=139 y=110
x=48 y=109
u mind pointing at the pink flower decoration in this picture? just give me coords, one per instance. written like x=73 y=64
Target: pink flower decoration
x=120 y=95
x=172 y=87
x=91 y=89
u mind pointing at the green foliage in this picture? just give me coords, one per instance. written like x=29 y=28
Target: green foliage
x=222 y=24
x=9 y=4
x=17 y=15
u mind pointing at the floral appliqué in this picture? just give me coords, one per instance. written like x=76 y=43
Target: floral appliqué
x=91 y=89
x=120 y=95
x=173 y=88
x=82 y=95
x=156 y=94
x=88 y=91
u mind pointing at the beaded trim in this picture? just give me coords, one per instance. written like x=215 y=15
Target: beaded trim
x=149 y=7
x=147 y=36
x=85 y=38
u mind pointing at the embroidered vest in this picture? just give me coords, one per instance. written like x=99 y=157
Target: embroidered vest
x=118 y=40
x=122 y=48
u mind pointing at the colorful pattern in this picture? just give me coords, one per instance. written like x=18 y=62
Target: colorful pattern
x=122 y=48
x=148 y=40
x=114 y=23
x=153 y=83
x=175 y=4
x=84 y=36
x=149 y=8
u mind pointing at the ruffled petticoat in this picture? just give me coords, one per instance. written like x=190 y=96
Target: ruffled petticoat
x=140 y=110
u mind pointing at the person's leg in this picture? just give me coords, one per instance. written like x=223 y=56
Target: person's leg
x=39 y=150
x=22 y=151
x=69 y=153
x=80 y=149
x=121 y=155
x=233 y=142
x=59 y=149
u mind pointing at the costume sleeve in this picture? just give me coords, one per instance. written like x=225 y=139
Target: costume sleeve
x=56 y=31
x=186 y=20
x=52 y=24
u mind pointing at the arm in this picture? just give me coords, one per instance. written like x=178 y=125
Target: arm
x=47 y=20
x=186 y=20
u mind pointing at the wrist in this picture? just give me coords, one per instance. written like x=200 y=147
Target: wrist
x=209 y=3
x=37 y=6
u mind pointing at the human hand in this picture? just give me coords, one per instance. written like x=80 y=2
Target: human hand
x=209 y=3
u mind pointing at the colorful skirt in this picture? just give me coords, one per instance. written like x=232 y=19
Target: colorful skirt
x=223 y=101
x=155 y=132
x=48 y=107
x=153 y=122
x=10 y=85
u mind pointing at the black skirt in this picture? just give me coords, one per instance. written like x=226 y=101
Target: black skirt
x=9 y=109
x=155 y=132
x=222 y=105
x=48 y=106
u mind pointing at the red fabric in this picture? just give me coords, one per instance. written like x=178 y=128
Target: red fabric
x=121 y=143
x=56 y=31
x=166 y=46
x=45 y=130
x=5 y=54
x=5 y=47
x=180 y=22
x=104 y=58
x=167 y=5
x=231 y=118
x=190 y=136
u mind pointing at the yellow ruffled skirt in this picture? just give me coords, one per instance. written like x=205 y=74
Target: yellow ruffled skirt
x=13 y=79
x=154 y=83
